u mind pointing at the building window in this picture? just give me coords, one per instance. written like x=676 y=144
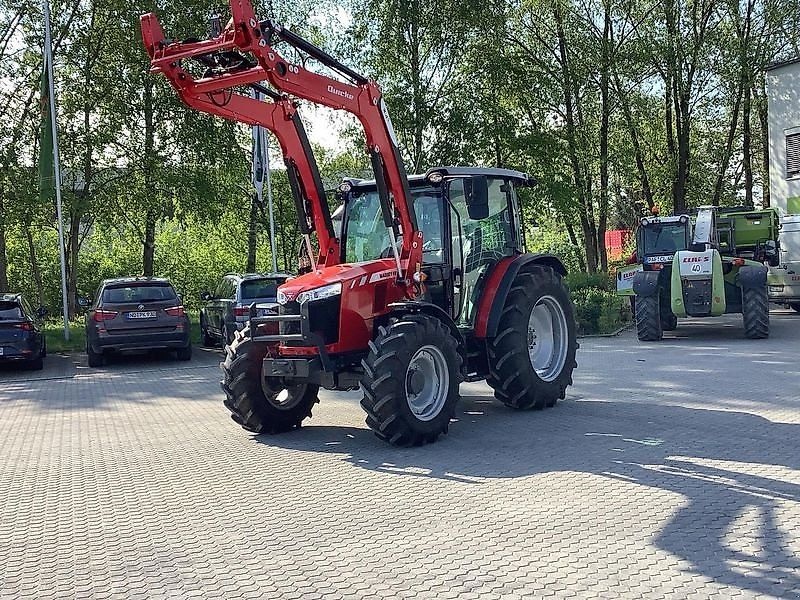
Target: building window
x=792 y=155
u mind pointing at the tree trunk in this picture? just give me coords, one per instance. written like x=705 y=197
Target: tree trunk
x=586 y=216
x=3 y=252
x=647 y=192
x=762 y=118
x=726 y=156
x=73 y=249
x=747 y=152
x=35 y=272
x=149 y=249
x=605 y=111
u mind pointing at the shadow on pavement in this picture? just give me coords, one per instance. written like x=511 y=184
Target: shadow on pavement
x=723 y=463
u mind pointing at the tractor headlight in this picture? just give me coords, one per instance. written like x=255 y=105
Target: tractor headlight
x=282 y=298
x=326 y=291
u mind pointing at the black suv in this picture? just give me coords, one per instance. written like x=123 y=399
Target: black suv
x=21 y=337
x=134 y=314
x=228 y=308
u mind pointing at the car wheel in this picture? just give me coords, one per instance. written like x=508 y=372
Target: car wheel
x=96 y=359
x=206 y=338
x=184 y=353
x=37 y=364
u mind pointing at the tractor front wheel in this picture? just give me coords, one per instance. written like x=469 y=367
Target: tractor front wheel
x=410 y=381
x=261 y=407
x=532 y=357
x=755 y=312
x=649 y=327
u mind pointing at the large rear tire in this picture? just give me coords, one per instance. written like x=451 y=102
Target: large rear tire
x=755 y=313
x=532 y=357
x=648 y=319
x=410 y=381
x=669 y=322
x=260 y=407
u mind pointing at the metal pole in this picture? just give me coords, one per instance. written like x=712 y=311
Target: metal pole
x=268 y=181
x=48 y=58
x=261 y=175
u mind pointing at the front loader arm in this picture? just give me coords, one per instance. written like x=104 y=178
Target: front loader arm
x=217 y=96
x=360 y=97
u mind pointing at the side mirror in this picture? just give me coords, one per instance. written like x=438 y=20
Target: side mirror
x=83 y=301
x=476 y=195
x=41 y=312
x=206 y=296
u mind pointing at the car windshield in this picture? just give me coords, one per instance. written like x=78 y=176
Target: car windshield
x=260 y=288
x=10 y=311
x=666 y=238
x=367 y=238
x=138 y=293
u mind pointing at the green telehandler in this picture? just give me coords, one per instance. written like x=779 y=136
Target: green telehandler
x=682 y=273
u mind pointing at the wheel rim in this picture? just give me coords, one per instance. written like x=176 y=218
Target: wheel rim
x=547 y=338
x=284 y=397
x=427 y=382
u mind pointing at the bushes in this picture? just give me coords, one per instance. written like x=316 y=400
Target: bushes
x=597 y=307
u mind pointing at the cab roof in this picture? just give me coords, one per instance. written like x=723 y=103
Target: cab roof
x=422 y=178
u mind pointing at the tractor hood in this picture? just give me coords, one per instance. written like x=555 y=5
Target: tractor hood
x=333 y=280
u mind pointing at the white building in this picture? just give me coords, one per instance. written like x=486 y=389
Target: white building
x=783 y=94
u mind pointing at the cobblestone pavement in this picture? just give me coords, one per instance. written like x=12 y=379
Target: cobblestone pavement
x=671 y=470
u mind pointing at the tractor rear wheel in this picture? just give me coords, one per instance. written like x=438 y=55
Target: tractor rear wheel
x=410 y=381
x=755 y=313
x=532 y=357
x=268 y=407
x=649 y=326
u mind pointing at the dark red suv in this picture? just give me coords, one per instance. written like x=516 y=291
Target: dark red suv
x=21 y=337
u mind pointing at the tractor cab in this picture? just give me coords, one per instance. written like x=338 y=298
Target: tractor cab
x=659 y=238
x=469 y=221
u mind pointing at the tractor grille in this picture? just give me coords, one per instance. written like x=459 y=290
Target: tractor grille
x=290 y=327
x=323 y=317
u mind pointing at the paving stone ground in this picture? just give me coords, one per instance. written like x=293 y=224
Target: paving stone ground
x=671 y=470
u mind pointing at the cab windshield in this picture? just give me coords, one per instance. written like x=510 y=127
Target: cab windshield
x=367 y=238
x=663 y=238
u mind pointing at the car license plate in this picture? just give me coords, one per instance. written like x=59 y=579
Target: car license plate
x=144 y=314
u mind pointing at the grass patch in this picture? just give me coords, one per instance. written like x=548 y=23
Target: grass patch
x=54 y=333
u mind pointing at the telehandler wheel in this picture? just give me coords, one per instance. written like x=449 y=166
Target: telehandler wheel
x=410 y=381
x=648 y=319
x=532 y=357
x=261 y=408
x=755 y=313
x=669 y=322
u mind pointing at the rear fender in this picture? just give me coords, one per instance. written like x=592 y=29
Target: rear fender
x=750 y=277
x=500 y=279
x=645 y=283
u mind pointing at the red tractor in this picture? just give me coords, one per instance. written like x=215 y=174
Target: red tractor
x=426 y=285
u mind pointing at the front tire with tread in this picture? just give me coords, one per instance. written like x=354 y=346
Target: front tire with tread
x=755 y=313
x=649 y=326
x=246 y=397
x=384 y=381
